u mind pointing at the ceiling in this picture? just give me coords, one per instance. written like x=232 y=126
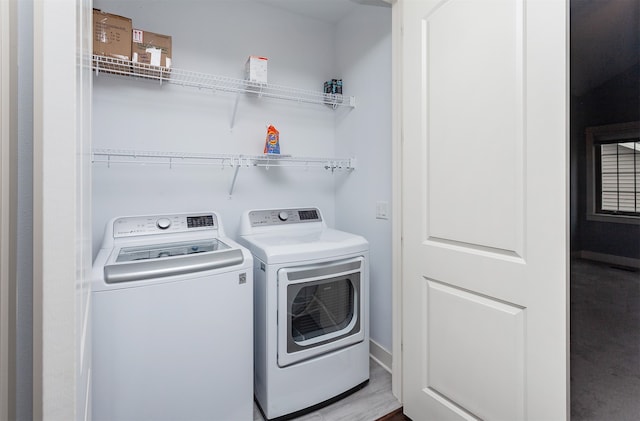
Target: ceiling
x=605 y=34
x=330 y=11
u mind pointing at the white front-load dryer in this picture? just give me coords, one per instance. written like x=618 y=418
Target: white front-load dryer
x=311 y=310
x=172 y=306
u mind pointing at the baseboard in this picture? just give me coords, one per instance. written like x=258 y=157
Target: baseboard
x=608 y=258
x=380 y=355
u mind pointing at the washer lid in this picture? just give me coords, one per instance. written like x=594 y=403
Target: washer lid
x=287 y=246
x=155 y=261
x=159 y=251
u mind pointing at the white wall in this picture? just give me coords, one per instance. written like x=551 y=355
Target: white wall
x=216 y=37
x=84 y=255
x=363 y=48
x=24 y=287
x=57 y=209
x=8 y=205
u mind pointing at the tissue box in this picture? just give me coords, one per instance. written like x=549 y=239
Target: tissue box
x=256 y=69
x=152 y=49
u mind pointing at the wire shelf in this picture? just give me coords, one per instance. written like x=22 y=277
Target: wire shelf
x=122 y=156
x=111 y=157
x=113 y=66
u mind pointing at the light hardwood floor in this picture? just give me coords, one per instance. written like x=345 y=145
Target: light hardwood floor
x=367 y=404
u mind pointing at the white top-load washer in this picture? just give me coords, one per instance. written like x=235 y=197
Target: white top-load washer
x=172 y=332
x=311 y=295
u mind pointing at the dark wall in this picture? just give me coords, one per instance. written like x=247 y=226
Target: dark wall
x=616 y=101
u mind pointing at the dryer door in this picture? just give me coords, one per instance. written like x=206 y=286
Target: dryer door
x=324 y=309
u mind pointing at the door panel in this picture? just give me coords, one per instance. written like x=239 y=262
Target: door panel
x=469 y=69
x=484 y=209
x=471 y=339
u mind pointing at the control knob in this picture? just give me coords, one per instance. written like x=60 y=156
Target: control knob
x=283 y=216
x=163 y=223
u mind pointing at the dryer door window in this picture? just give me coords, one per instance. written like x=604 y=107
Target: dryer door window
x=323 y=308
x=320 y=308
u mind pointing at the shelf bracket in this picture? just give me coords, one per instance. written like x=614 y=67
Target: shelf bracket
x=235 y=110
x=233 y=181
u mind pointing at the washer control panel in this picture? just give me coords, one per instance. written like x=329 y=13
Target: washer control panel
x=158 y=224
x=260 y=218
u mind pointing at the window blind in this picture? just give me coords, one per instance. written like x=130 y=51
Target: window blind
x=620 y=172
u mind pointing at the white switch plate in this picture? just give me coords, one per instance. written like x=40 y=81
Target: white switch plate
x=382 y=210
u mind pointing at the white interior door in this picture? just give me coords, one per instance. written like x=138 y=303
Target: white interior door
x=485 y=209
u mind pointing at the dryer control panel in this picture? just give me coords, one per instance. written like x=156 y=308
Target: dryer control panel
x=160 y=224
x=259 y=218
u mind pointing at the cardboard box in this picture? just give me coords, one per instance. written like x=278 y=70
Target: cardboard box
x=111 y=35
x=150 y=48
x=256 y=69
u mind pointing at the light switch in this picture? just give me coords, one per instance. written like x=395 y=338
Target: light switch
x=382 y=210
